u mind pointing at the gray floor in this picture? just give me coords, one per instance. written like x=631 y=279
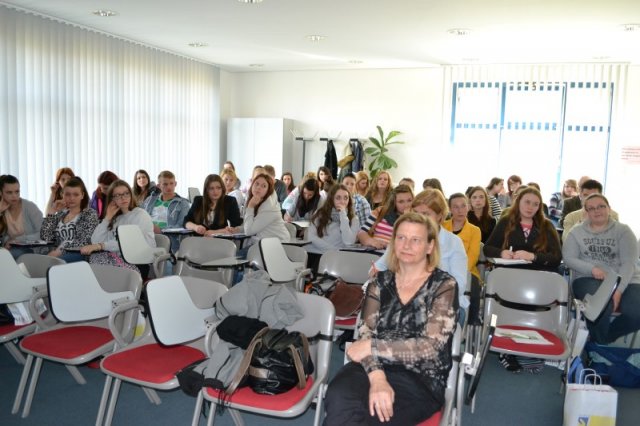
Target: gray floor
x=503 y=398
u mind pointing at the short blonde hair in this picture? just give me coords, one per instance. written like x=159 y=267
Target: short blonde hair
x=432 y=228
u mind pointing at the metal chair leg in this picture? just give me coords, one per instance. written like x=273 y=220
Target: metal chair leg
x=23 y=383
x=77 y=375
x=104 y=400
x=115 y=390
x=32 y=387
x=15 y=352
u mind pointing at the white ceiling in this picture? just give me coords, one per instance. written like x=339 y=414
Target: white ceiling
x=379 y=33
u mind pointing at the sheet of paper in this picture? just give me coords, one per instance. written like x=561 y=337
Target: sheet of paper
x=529 y=337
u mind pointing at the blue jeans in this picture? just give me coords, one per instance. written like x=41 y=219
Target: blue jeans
x=71 y=257
x=604 y=330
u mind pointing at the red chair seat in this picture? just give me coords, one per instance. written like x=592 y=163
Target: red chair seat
x=348 y=322
x=505 y=343
x=10 y=328
x=152 y=363
x=246 y=396
x=68 y=342
x=433 y=420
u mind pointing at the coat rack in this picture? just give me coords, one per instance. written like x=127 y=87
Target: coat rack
x=301 y=138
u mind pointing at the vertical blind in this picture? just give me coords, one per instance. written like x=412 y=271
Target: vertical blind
x=72 y=97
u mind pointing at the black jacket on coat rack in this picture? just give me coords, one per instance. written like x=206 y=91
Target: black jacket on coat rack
x=358 y=155
x=331 y=159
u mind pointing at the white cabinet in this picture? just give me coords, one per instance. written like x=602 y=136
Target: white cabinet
x=252 y=141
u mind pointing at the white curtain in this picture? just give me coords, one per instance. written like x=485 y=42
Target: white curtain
x=71 y=97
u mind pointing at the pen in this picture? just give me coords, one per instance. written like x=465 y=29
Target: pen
x=510 y=248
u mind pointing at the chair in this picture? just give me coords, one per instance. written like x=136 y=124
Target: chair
x=293 y=231
x=82 y=298
x=178 y=309
x=17 y=287
x=527 y=300
x=193 y=193
x=272 y=256
x=352 y=267
x=195 y=251
x=135 y=249
x=318 y=319
x=163 y=242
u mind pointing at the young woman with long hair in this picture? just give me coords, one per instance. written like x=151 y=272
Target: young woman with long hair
x=379 y=190
x=376 y=231
x=262 y=217
x=287 y=178
x=479 y=214
x=362 y=183
x=99 y=198
x=307 y=202
x=335 y=224
x=55 y=202
x=495 y=189
x=214 y=212
x=142 y=186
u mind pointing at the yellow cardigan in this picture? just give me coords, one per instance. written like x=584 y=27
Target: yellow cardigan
x=470 y=236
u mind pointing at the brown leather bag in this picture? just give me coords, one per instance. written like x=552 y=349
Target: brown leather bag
x=346 y=298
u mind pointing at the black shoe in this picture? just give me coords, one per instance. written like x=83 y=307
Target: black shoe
x=510 y=363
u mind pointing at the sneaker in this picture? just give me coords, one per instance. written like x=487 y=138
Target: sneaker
x=510 y=363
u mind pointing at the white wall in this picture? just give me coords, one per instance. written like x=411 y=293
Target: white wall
x=354 y=102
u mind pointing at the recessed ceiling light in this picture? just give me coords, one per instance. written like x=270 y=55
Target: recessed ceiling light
x=256 y=65
x=316 y=38
x=355 y=62
x=198 y=44
x=631 y=27
x=459 y=31
x=105 y=13
x=250 y=1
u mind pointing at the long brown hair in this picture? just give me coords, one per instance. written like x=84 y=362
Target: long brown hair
x=132 y=202
x=269 y=181
x=322 y=216
x=543 y=224
x=62 y=171
x=373 y=187
x=485 y=218
x=200 y=216
x=390 y=205
x=137 y=189
x=76 y=182
x=305 y=206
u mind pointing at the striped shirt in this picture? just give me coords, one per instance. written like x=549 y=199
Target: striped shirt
x=382 y=231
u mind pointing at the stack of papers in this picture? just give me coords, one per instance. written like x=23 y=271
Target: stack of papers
x=529 y=337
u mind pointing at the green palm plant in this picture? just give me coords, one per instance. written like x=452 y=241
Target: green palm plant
x=379 y=159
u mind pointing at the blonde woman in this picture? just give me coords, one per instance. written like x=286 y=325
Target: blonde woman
x=379 y=190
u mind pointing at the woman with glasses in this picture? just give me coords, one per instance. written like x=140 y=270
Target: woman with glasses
x=400 y=362
x=120 y=210
x=597 y=247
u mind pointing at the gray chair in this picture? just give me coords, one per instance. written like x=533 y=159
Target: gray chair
x=193 y=193
x=178 y=310
x=196 y=251
x=273 y=257
x=136 y=250
x=82 y=297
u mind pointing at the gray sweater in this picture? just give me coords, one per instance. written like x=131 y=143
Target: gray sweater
x=31 y=220
x=339 y=233
x=615 y=248
x=137 y=216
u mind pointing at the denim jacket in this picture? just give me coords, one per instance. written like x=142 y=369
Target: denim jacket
x=178 y=209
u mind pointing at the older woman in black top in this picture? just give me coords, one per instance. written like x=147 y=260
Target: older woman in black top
x=402 y=358
x=215 y=212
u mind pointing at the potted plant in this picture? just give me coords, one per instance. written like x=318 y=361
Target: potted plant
x=378 y=153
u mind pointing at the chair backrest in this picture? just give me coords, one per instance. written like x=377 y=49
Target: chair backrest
x=193 y=193
x=352 y=267
x=79 y=292
x=134 y=247
x=293 y=231
x=163 y=242
x=529 y=298
x=38 y=264
x=318 y=320
x=15 y=286
x=179 y=306
x=199 y=250
x=276 y=262
x=294 y=253
x=597 y=302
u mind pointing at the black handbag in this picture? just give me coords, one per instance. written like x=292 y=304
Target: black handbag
x=280 y=362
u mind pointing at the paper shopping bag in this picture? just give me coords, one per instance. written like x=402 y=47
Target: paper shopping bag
x=590 y=404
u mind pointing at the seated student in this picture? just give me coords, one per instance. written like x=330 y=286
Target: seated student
x=574 y=203
x=55 y=203
x=526 y=234
x=228 y=165
x=278 y=185
x=479 y=214
x=569 y=190
x=334 y=225
x=72 y=226
x=143 y=186
x=468 y=233
x=376 y=231
x=494 y=190
x=20 y=219
x=287 y=178
x=292 y=198
x=401 y=360
x=575 y=217
x=257 y=170
x=545 y=208
x=379 y=190
x=120 y=210
x=453 y=258
x=99 y=198
x=513 y=183
x=362 y=183
x=262 y=217
x=230 y=180
x=409 y=182
x=506 y=210
x=214 y=212
x=598 y=246
x=167 y=209
x=324 y=175
x=306 y=203
x=433 y=183
x=360 y=204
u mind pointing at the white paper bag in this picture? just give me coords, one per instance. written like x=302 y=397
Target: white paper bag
x=588 y=404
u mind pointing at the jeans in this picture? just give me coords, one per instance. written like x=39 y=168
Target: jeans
x=604 y=330
x=71 y=257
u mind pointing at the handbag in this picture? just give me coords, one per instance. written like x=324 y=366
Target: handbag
x=280 y=362
x=347 y=299
x=613 y=364
x=592 y=404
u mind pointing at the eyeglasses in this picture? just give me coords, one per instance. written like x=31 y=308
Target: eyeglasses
x=121 y=196
x=413 y=241
x=596 y=208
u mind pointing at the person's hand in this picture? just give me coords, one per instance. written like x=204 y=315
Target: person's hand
x=55 y=188
x=506 y=254
x=524 y=255
x=55 y=253
x=373 y=271
x=375 y=243
x=598 y=273
x=288 y=218
x=200 y=230
x=157 y=229
x=88 y=249
x=230 y=230
x=4 y=206
x=381 y=396
x=359 y=350
x=58 y=205
x=112 y=209
x=616 y=300
x=254 y=201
